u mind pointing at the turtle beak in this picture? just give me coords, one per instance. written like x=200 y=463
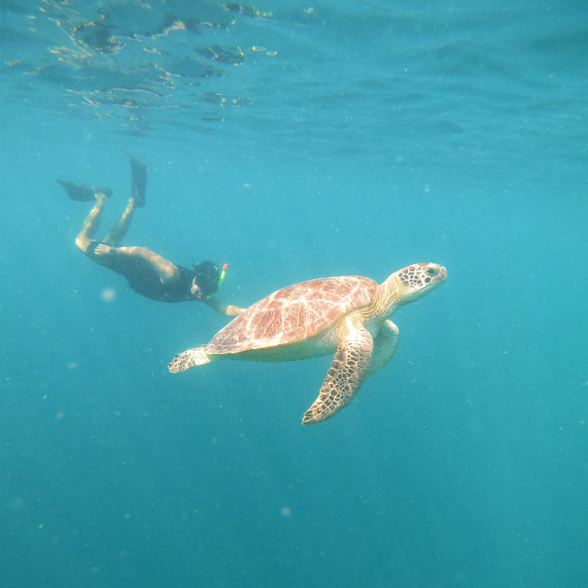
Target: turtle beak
x=436 y=267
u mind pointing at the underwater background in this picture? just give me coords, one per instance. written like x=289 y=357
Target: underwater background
x=296 y=141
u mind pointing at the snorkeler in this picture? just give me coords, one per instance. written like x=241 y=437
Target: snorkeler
x=147 y=273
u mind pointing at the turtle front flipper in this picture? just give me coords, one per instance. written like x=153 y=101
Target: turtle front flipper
x=345 y=377
x=188 y=359
x=385 y=344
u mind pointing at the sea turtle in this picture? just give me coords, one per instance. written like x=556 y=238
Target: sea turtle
x=345 y=315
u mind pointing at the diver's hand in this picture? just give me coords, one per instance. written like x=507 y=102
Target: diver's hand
x=104 y=249
x=234 y=310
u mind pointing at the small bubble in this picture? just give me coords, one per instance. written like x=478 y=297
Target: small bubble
x=108 y=294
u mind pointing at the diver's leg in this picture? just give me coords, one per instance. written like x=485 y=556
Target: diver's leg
x=91 y=224
x=121 y=227
x=137 y=200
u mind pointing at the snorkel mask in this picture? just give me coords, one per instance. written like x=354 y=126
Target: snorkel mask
x=208 y=278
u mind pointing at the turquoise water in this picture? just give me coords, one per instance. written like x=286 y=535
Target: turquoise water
x=296 y=141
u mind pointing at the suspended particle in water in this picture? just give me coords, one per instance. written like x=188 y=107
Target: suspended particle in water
x=108 y=294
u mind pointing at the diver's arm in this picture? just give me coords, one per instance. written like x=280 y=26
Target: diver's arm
x=222 y=308
x=167 y=271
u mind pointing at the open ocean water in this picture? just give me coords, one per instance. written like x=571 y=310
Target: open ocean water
x=295 y=141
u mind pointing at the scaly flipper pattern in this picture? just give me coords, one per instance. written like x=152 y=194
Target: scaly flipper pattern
x=188 y=359
x=345 y=377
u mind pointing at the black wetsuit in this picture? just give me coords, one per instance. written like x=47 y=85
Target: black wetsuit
x=143 y=279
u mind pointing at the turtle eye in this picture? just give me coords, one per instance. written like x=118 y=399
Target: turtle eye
x=432 y=271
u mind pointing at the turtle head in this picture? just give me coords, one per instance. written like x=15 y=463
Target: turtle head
x=415 y=281
x=407 y=285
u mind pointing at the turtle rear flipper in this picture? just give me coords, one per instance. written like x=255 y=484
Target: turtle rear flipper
x=344 y=379
x=188 y=359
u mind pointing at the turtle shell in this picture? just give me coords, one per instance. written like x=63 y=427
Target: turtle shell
x=293 y=314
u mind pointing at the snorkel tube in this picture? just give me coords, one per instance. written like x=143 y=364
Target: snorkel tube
x=220 y=280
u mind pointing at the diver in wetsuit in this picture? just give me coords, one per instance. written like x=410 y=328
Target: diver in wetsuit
x=147 y=273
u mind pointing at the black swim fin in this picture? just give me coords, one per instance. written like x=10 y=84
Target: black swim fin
x=83 y=192
x=139 y=176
